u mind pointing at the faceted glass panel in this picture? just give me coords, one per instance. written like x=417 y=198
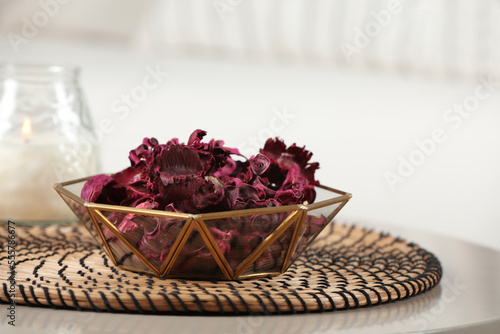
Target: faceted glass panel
x=314 y=222
x=238 y=237
x=121 y=252
x=82 y=214
x=152 y=236
x=271 y=261
x=195 y=259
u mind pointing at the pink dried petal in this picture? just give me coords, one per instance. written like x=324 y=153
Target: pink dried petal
x=259 y=164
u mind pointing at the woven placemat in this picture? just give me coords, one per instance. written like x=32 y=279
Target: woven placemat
x=346 y=267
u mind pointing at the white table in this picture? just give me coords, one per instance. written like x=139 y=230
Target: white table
x=466 y=300
x=357 y=124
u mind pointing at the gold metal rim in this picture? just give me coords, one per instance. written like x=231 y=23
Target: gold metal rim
x=344 y=197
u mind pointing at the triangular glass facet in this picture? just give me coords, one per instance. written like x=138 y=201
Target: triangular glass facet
x=151 y=236
x=121 y=252
x=314 y=222
x=81 y=213
x=238 y=237
x=195 y=260
x=271 y=260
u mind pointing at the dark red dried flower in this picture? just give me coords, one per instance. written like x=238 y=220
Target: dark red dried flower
x=200 y=177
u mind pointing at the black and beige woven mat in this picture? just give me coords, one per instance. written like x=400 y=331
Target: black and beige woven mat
x=346 y=267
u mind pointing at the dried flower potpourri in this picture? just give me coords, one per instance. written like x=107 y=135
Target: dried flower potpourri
x=200 y=177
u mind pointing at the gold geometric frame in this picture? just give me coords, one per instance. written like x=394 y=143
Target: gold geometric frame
x=298 y=214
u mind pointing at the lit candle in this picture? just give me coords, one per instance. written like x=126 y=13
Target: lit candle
x=26 y=129
x=30 y=165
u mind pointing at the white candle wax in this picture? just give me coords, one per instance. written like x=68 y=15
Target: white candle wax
x=28 y=171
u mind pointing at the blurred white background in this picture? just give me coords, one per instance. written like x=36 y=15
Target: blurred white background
x=398 y=100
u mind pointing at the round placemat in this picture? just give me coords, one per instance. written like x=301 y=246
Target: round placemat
x=346 y=267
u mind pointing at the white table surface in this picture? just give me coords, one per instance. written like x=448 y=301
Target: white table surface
x=466 y=300
x=357 y=123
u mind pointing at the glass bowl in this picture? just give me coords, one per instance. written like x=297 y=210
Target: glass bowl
x=227 y=245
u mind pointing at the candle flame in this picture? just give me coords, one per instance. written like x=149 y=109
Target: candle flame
x=26 y=129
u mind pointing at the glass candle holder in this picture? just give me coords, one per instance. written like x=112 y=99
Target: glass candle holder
x=45 y=138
